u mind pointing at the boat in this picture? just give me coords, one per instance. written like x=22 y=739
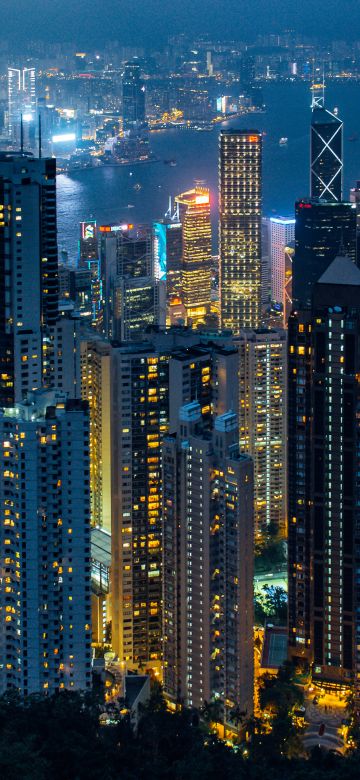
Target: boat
x=130 y=206
x=137 y=187
x=283 y=141
x=172 y=163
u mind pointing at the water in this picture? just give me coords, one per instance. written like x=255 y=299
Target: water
x=105 y=194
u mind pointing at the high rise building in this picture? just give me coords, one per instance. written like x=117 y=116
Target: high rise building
x=320 y=230
x=194 y=211
x=207 y=565
x=28 y=274
x=167 y=254
x=45 y=611
x=134 y=299
x=21 y=102
x=282 y=235
x=326 y=152
x=133 y=96
x=262 y=421
x=240 y=228
x=95 y=389
x=89 y=260
x=323 y=487
x=139 y=407
x=148 y=384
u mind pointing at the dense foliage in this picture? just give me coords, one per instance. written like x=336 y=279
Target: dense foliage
x=60 y=738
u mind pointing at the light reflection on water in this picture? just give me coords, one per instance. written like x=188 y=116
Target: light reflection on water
x=107 y=193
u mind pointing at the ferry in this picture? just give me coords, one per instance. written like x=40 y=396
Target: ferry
x=283 y=141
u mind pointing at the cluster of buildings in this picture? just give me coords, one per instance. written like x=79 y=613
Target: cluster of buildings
x=151 y=432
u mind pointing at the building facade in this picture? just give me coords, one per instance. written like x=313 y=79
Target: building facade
x=194 y=211
x=28 y=274
x=321 y=229
x=240 y=228
x=207 y=565
x=45 y=614
x=326 y=155
x=323 y=487
x=282 y=236
x=262 y=421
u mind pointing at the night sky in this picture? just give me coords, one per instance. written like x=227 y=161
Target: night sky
x=146 y=22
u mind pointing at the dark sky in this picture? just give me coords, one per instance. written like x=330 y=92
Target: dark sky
x=147 y=22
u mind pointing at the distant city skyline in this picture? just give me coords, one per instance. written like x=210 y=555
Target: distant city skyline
x=133 y=22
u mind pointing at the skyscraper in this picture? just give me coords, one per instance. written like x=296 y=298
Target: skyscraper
x=95 y=389
x=21 y=100
x=167 y=252
x=194 y=211
x=207 y=565
x=321 y=228
x=323 y=488
x=282 y=235
x=262 y=421
x=28 y=274
x=240 y=228
x=133 y=96
x=326 y=153
x=89 y=259
x=149 y=382
x=45 y=611
x=139 y=404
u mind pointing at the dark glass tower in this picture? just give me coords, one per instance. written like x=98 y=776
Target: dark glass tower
x=320 y=230
x=326 y=153
x=323 y=482
x=133 y=93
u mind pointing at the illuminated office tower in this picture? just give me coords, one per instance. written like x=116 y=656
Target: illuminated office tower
x=28 y=274
x=208 y=540
x=321 y=229
x=326 y=151
x=323 y=485
x=194 y=211
x=134 y=299
x=45 y=611
x=89 y=260
x=167 y=254
x=133 y=97
x=21 y=101
x=281 y=235
x=240 y=228
x=262 y=420
x=95 y=389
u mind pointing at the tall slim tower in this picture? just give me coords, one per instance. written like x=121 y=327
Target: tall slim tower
x=28 y=274
x=194 y=210
x=133 y=95
x=282 y=234
x=326 y=150
x=240 y=228
x=21 y=96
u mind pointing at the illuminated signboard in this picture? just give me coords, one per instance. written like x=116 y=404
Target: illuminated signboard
x=114 y=228
x=160 y=250
x=253 y=138
x=200 y=199
x=63 y=138
x=88 y=229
